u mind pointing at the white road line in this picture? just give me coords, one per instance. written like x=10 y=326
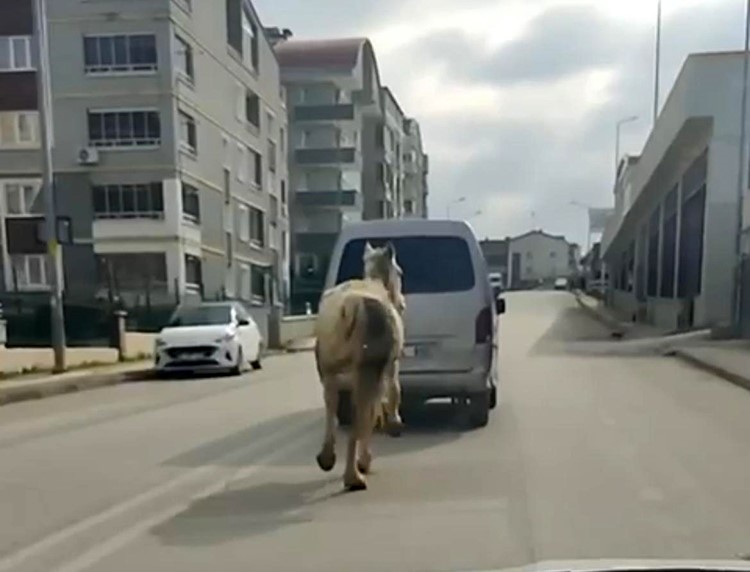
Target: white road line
x=38 y=548
x=125 y=537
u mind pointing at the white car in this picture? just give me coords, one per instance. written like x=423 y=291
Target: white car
x=211 y=336
x=561 y=284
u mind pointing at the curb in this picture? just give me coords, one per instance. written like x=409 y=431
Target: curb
x=617 y=328
x=84 y=382
x=711 y=368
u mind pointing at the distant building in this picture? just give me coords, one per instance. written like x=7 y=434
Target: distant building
x=536 y=257
x=496 y=254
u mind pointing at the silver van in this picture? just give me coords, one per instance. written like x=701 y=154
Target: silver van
x=450 y=324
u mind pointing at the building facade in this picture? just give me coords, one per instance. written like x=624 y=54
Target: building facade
x=169 y=144
x=416 y=167
x=537 y=257
x=346 y=149
x=670 y=245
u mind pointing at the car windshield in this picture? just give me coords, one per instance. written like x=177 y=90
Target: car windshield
x=201 y=316
x=431 y=264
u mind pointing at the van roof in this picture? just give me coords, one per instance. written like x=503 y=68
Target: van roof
x=407 y=227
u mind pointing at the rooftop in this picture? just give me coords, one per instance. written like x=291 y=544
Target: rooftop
x=338 y=53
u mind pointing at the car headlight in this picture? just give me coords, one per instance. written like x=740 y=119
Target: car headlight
x=228 y=337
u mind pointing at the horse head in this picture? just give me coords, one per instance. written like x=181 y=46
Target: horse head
x=380 y=264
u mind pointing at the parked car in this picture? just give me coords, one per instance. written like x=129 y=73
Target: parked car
x=561 y=284
x=496 y=282
x=450 y=324
x=208 y=337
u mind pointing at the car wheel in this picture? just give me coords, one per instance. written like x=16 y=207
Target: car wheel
x=479 y=409
x=237 y=369
x=344 y=409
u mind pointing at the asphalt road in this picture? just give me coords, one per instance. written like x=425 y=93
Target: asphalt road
x=587 y=456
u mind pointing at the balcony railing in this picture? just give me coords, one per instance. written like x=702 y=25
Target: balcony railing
x=343 y=198
x=326 y=155
x=330 y=112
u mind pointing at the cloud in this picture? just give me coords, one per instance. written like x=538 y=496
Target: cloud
x=518 y=99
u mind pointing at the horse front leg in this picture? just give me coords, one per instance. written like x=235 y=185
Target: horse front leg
x=394 y=424
x=327 y=456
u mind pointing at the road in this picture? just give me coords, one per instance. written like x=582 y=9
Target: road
x=587 y=456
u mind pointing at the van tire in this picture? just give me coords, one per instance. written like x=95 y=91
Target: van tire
x=344 y=409
x=493 y=397
x=479 y=409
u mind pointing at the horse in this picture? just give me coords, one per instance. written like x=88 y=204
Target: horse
x=359 y=340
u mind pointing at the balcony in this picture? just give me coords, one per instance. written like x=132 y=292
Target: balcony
x=331 y=155
x=331 y=112
x=342 y=198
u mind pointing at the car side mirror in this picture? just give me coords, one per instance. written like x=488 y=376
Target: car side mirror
x=243 y=322
x=499 y=305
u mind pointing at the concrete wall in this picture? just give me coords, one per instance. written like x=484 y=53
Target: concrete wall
x=296 y=328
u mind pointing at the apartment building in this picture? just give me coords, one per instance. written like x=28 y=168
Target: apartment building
x=416 y=168
x=390 y=202
x=169 y=150
x=669 y=246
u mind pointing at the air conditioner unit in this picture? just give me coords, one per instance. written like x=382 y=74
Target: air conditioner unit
x=88 y=156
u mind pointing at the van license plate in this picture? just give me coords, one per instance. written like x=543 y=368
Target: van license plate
x=410 y=351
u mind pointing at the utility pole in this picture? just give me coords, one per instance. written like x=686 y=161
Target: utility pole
x=741 y=185
x=46 y=133
x=657 y=60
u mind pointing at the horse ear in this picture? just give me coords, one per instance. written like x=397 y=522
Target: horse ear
x=368 y=248
x=390 y=250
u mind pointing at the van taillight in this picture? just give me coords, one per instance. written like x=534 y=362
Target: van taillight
x=483 y=326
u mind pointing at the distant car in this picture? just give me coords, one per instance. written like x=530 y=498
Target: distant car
x=496 y=283
x=561 y=284
x=208 y=337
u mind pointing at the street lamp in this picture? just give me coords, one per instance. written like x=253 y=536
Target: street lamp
x=619 y=125
x=657 y=60
x=454 y=202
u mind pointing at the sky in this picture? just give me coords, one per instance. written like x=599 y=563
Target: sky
x=518 y=99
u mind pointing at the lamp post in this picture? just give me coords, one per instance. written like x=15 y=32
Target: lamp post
x=657 y=60
x=618 y=127
x=454 y=202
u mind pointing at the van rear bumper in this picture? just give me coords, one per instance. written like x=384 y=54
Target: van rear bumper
x=435 y=384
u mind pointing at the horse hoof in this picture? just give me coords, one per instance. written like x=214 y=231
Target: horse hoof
x=356 y=484
x=326 y=461
x=395 y=428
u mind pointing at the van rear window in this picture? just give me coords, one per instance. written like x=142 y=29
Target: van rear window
x=431 y=264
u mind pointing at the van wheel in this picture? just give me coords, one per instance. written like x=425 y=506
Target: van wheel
x=493 y=397
x=479 y=409
x=344 y=409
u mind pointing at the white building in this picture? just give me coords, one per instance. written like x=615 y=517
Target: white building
x=670 y=245
x=537 y=256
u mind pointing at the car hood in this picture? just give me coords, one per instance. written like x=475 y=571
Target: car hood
x=194 y=334
x=617 y=564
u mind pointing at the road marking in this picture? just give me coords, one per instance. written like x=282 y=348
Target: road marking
x=41 y=546
x=125 y=537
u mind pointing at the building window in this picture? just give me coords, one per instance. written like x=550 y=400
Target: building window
x=244 y=220
x=408 y=207
x=142 y=271
x=258 y=166
x=29 y=271
x=257 y=227
x=193 y=273
x=128 y=201
x=553 y=254
x=283 y=192
x=227 y=186
x=273 y=207
x=184 y=59
x=127 y=128
x=529 y=256
x=282 y=140
x=19 y=129
x=249 y=42
x=258 y=283
x=20 y=196
x=252 y=108
x=245 y=281
x=191 y=203
x=271 y=156
x=188 y=133
x=120 y=53
x=15 y=53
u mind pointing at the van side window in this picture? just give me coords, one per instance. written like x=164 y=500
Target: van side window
x=431 y=264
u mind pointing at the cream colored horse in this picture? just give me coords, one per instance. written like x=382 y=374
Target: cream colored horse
x=360 y=337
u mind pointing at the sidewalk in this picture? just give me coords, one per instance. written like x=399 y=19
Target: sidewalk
x=36 y=387
x=729 y=360
x=620 y=327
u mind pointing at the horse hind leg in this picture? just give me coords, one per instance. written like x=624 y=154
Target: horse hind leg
x=393 y=424
x=327 y=457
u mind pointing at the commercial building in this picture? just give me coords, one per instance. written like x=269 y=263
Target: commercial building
x=669 y=247
x=537 y=257
x=346 y=156
x=169 y=147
